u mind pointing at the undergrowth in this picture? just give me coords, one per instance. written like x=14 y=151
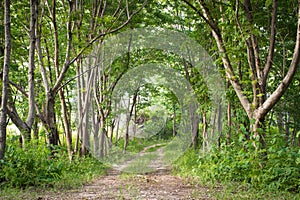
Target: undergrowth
x=271 y=170
x=33 y=167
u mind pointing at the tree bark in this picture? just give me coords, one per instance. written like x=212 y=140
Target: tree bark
x=31 y=93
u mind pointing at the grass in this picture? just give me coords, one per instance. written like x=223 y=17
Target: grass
x=240 y=191
x=155 y=147
x=70 y=180
x=141 y=164
x=35 y=174
x=188 y=167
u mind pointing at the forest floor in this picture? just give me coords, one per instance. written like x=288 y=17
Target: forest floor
x=158 y=184
x=147 y=186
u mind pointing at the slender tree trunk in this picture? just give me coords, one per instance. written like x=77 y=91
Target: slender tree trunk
x=117 y=131
x=53 y=137
x=192 y=109
x=112 y=127
x=293 y=139
x=204 y=131
x=66 y=122
x=36 y=130
x=280 y=121
x=95 y=130
x=129 y=115
x=195 y=128
x=96 y=141
x=214 y=119
x=220 y=124
x=95 y=124
x=102 y=138
x=126 y=136
x=31 y=93
x=174 y=119
x=85 y=140
x=79 y=105
x=229 y=122
x=4 y=99
x=287 y=129
x=135 y=117
x=258 y=129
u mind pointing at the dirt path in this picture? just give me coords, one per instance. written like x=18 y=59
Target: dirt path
x=159 y=184
x=149 y=186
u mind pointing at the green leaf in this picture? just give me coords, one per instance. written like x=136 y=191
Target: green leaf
x=268 y=3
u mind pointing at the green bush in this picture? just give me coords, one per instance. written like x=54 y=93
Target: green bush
x=34 y=167
x=278 y=170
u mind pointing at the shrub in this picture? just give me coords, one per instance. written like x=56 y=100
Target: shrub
x=33 y=167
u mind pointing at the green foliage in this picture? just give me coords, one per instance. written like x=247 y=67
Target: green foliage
x=272 y=169
x=34 y=167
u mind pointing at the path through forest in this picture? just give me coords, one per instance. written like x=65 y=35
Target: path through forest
x=160 y=184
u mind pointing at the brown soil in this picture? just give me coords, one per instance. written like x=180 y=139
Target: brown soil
x=160 y=184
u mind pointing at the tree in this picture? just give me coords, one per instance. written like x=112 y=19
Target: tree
x=71 y=42
x=5 y=80
x=26 y=125
x=258 y=101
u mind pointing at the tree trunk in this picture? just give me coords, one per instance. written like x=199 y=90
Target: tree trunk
x=293 y=139
x=229 y=122
x=117 y=131
x=128 y=118
x=195 y=126
x=126 y=136
x=259 y=132
x=95 y=129
x=174 y=119
x=31 y=93
x=85 y=128
x=204 y=132
x=102 y=138
x=280 y=121
x=66 y=122
x=112 y=127
x=79 y=105
x=287 y=129
x=6 y=65
x=36 y=130
x=53 y=137
x=220 y=124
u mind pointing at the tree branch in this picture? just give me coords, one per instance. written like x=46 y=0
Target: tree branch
x=227 y=64
x=277 y=94
x=272 y=42
x=67 y=64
